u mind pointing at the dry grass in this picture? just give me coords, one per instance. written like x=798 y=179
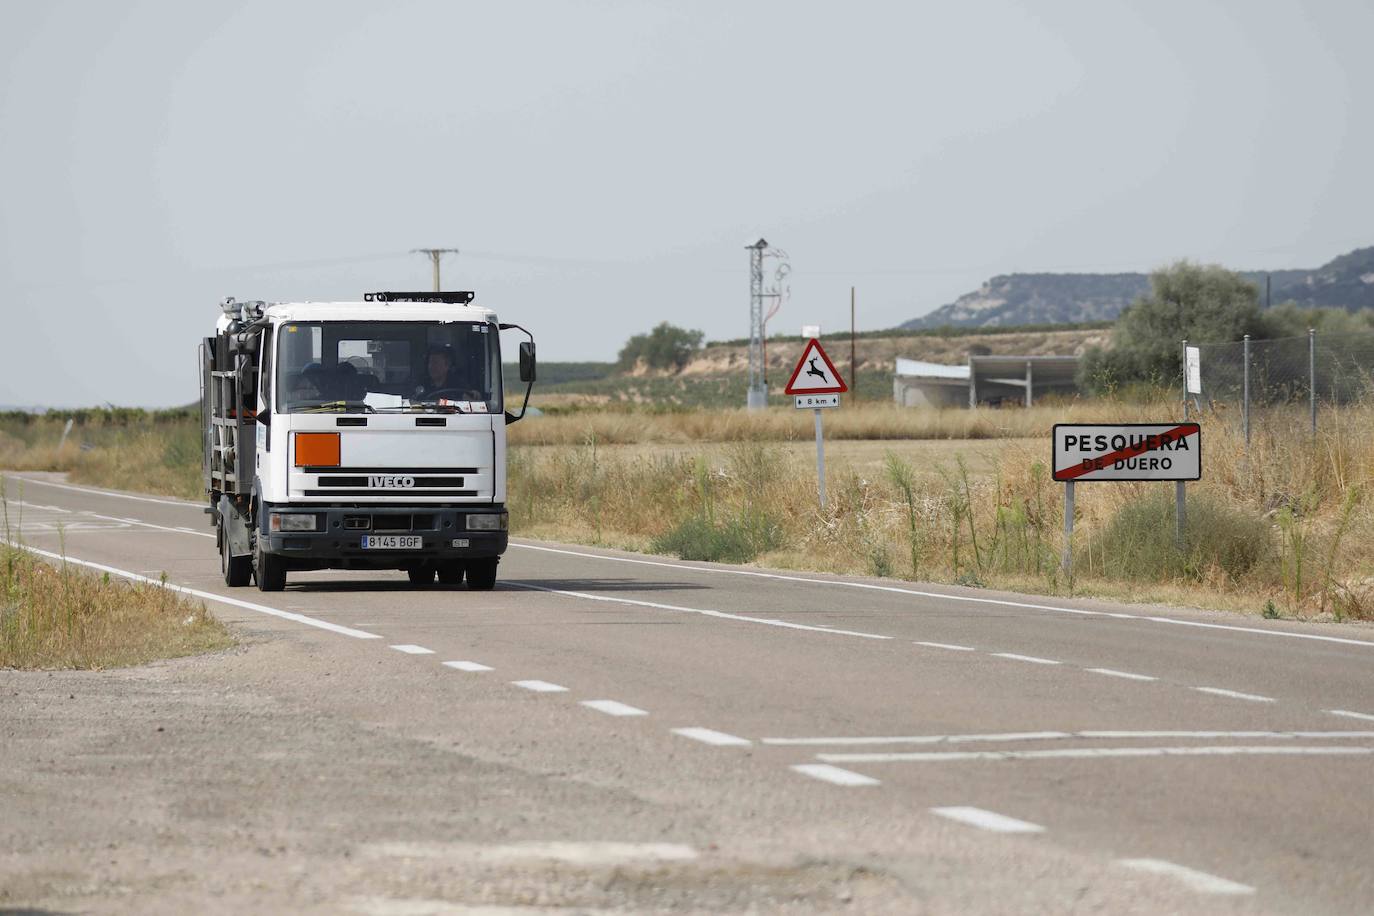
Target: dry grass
x=59 y=616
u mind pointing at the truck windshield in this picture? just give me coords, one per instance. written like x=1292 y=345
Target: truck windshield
x=370 y=366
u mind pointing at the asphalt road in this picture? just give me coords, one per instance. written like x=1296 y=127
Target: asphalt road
x=607 y=731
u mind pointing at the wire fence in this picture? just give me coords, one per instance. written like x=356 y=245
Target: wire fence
x=1313 y=370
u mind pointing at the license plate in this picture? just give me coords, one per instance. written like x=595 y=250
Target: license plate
x=392 y=542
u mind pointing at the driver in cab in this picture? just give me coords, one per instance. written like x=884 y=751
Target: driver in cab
x=438 y=375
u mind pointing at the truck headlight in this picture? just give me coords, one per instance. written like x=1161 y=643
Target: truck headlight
x=294 y=521
x=489 y=521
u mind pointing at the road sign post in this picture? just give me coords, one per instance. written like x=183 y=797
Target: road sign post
x=1126 y=452
x=816 y=385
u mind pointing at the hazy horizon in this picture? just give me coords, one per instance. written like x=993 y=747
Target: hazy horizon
x=601 y=165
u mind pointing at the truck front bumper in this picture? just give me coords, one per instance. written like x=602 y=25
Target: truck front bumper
x=444 y=534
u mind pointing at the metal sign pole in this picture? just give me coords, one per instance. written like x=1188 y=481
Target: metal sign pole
x=820 y=457
x=1180 y=514
x=1067 y=561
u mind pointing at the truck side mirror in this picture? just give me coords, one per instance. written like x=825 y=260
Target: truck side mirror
x=527 y=364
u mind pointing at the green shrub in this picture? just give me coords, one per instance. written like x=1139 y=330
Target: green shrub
x=1138 y=542
x=738 y=540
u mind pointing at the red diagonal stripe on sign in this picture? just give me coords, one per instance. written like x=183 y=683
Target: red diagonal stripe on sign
x=1171 y=435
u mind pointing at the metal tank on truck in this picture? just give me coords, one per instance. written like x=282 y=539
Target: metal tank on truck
x=358 y=435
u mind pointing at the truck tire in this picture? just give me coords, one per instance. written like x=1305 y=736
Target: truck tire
x=482 y=574
x=422 y=575
x=238 y=571
x=270 y=571
x=451 y=572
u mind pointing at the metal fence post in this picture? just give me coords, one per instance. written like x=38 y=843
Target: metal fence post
x=1312 y=375
x=1245 y=397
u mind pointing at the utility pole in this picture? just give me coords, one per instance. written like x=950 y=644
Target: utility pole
x=434 y=255
x=757 y=397
x=853 y=374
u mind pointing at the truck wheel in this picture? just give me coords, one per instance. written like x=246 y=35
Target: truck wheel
x=270 y=571
x=422 y=575
x=238 y=571
x=482 y=574
x=451 y=572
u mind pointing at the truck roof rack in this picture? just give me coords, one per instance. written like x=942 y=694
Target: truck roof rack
x=454 y=298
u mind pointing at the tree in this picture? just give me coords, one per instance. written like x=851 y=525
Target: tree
x=1196 y=302
x=665 y=347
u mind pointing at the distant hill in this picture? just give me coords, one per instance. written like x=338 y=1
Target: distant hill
x=1024 y=299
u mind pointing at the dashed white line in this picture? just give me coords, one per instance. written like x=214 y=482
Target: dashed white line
x=541 y=686
x=987 y=820
x=1086 y=753
x=614 y=708
x=1027 y=658
x=467 y=666
x=711 y=736
x=204 y=595
x=1351 y=715
x=409 y=649
x=1235 y=694
x=1112 y=672
x=1193 y=879
x=945 y=645
x=835 y=775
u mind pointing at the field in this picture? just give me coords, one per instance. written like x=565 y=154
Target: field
x=952 y=496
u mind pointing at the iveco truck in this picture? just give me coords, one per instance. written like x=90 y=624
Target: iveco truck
x=359 y=435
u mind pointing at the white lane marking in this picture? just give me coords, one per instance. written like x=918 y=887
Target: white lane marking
x=207 y=596
x=1196 y=880
x=541 y=686
x=467 y=666
x=141 y=499
x=835 y=775
x=987 y=820
x=1112 y=672
x=1027 y=658
x=1087 y=753
x=711 y=736
x=705 y=612
x=920 y=739
x=945 y=645
x=590 y=853
x=614 y=708
x=1054 y=736
x=1001 y=602
x=1351 y=715
x=409 y=649
x=141 y=524
x=1235 y=694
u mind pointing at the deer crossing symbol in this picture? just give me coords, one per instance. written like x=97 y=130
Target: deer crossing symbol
x=818 y=373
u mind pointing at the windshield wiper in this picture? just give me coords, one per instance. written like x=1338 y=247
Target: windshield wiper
x=335 y=406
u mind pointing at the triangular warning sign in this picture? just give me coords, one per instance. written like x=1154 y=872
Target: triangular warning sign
x=815 y=373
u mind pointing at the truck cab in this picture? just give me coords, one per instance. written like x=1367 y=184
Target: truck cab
x=359 y=435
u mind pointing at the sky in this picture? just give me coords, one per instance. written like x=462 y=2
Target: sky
x=601 y=165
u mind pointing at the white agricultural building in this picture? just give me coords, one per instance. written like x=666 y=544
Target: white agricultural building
x=983 y=380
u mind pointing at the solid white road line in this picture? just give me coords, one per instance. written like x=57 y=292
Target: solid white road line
x=945 y=645
x=920 y=739
x=409 y=649
x=614 y=708
x=142 y=499
x=835 y=775
x=975 y=599
x=467 y=666
x=1086 y=753
x=987 y=820
x=541 y=686
x=1112 y=672
x=1199 y=881
x=1056 y=736
x=1027 y=658
x=584 y=853
x=722 y=615
x=711 y=736
x=1235 y=694
x=206 y=596
x=1351 y=715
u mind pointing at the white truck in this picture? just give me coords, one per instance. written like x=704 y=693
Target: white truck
x=358 y=435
